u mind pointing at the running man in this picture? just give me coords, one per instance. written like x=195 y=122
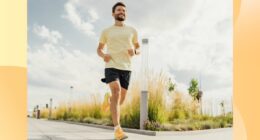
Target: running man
x=122 y=44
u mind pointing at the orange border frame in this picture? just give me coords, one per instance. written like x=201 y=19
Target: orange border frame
x=13 y=69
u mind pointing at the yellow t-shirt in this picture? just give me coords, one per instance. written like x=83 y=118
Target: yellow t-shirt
x=118 y=40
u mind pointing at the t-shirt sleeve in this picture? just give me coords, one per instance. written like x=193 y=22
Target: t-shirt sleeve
x=103 y=38
x=135 y=38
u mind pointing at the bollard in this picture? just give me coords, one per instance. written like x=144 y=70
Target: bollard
x=144 y=90
x=38 y=114
x=143 y=108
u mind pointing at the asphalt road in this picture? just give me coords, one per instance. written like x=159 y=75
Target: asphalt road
x=51 y=130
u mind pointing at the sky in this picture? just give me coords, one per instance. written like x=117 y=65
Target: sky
x=187 y=39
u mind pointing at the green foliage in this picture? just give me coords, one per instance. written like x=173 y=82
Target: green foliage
x=193 y=89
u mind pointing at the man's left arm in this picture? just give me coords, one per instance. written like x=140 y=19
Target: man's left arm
x=137 y=48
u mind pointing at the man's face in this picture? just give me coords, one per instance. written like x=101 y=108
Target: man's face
x=120 y=13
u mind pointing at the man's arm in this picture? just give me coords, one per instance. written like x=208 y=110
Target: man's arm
x=135 y=42
x=100 y=52
x=137 y=48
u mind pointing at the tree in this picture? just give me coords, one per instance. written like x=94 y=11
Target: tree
x=194 y=89
x=171 y=86
x=222 y=104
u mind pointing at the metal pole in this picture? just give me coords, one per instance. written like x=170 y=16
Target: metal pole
x=50 y=108
x=144 y=90
x=37 y=112
x=70 y=101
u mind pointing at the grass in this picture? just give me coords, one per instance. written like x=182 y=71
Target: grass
x=44 y=113
x=81 y=111
x=180 y=114
x=199 y=122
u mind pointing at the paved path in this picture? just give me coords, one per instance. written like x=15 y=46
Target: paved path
x=51 y=130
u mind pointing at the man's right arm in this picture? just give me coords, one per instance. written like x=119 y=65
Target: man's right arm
x=106 y=57
x=100 y=50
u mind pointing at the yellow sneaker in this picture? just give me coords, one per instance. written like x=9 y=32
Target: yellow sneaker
x=106 y=103
x=120 y=135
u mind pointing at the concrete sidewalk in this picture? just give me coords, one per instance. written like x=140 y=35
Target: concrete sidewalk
x=51 y=130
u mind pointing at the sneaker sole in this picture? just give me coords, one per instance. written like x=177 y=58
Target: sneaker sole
x=125 y=137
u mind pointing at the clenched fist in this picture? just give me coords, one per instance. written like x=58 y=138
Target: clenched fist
x=107 y=58
x=131 y=52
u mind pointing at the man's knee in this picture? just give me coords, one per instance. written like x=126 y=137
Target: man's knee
x=123 y=95
x=115 y=87
x=115 y=90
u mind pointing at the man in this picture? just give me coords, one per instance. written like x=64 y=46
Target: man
x=122 y=44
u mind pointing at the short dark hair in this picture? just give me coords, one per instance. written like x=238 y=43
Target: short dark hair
x=117 y=4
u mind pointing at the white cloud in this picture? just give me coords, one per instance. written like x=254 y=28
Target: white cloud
x=53 y=69
x=79 y=19
x=200 y=44
x=93 y=14
x=45 y=33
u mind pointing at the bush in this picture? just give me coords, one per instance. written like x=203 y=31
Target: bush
x=152 y=125
x=157 y=89
x=130 y=111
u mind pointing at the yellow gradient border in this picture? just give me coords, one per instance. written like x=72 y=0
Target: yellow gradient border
x=13 y=69
x=246 y=69
x=13 y=30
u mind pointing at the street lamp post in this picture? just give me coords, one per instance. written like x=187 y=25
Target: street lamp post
x=50 y=108
x=144 y=88
x=70 y=96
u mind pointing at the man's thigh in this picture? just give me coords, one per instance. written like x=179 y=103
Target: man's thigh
x=115 y=85
x=111 y=75
x=124 y=78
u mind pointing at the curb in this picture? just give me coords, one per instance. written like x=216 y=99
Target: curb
x=151 y=133
x=136 y=131
x=194 y=132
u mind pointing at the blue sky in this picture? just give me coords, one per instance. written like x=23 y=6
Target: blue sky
x=188 y=39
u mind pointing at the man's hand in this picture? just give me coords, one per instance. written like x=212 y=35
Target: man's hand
x=137 y=48
x=107 y=57
x=131 y=52
x=137 y=51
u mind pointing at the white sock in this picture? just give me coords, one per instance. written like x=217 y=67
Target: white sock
x=116 y=127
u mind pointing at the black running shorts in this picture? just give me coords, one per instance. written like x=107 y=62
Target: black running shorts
x=112 y=74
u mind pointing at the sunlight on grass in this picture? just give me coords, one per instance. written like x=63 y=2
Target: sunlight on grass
x=180 y=114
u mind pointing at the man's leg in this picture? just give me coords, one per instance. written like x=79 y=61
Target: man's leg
x=107 y=101
x=124 y=79
x=115 y=109
x=115 y=102
x=123 y=95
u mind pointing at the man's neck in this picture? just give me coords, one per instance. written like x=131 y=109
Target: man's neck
x=119 y=23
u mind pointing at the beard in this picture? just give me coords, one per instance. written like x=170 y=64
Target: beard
x=119 y=18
